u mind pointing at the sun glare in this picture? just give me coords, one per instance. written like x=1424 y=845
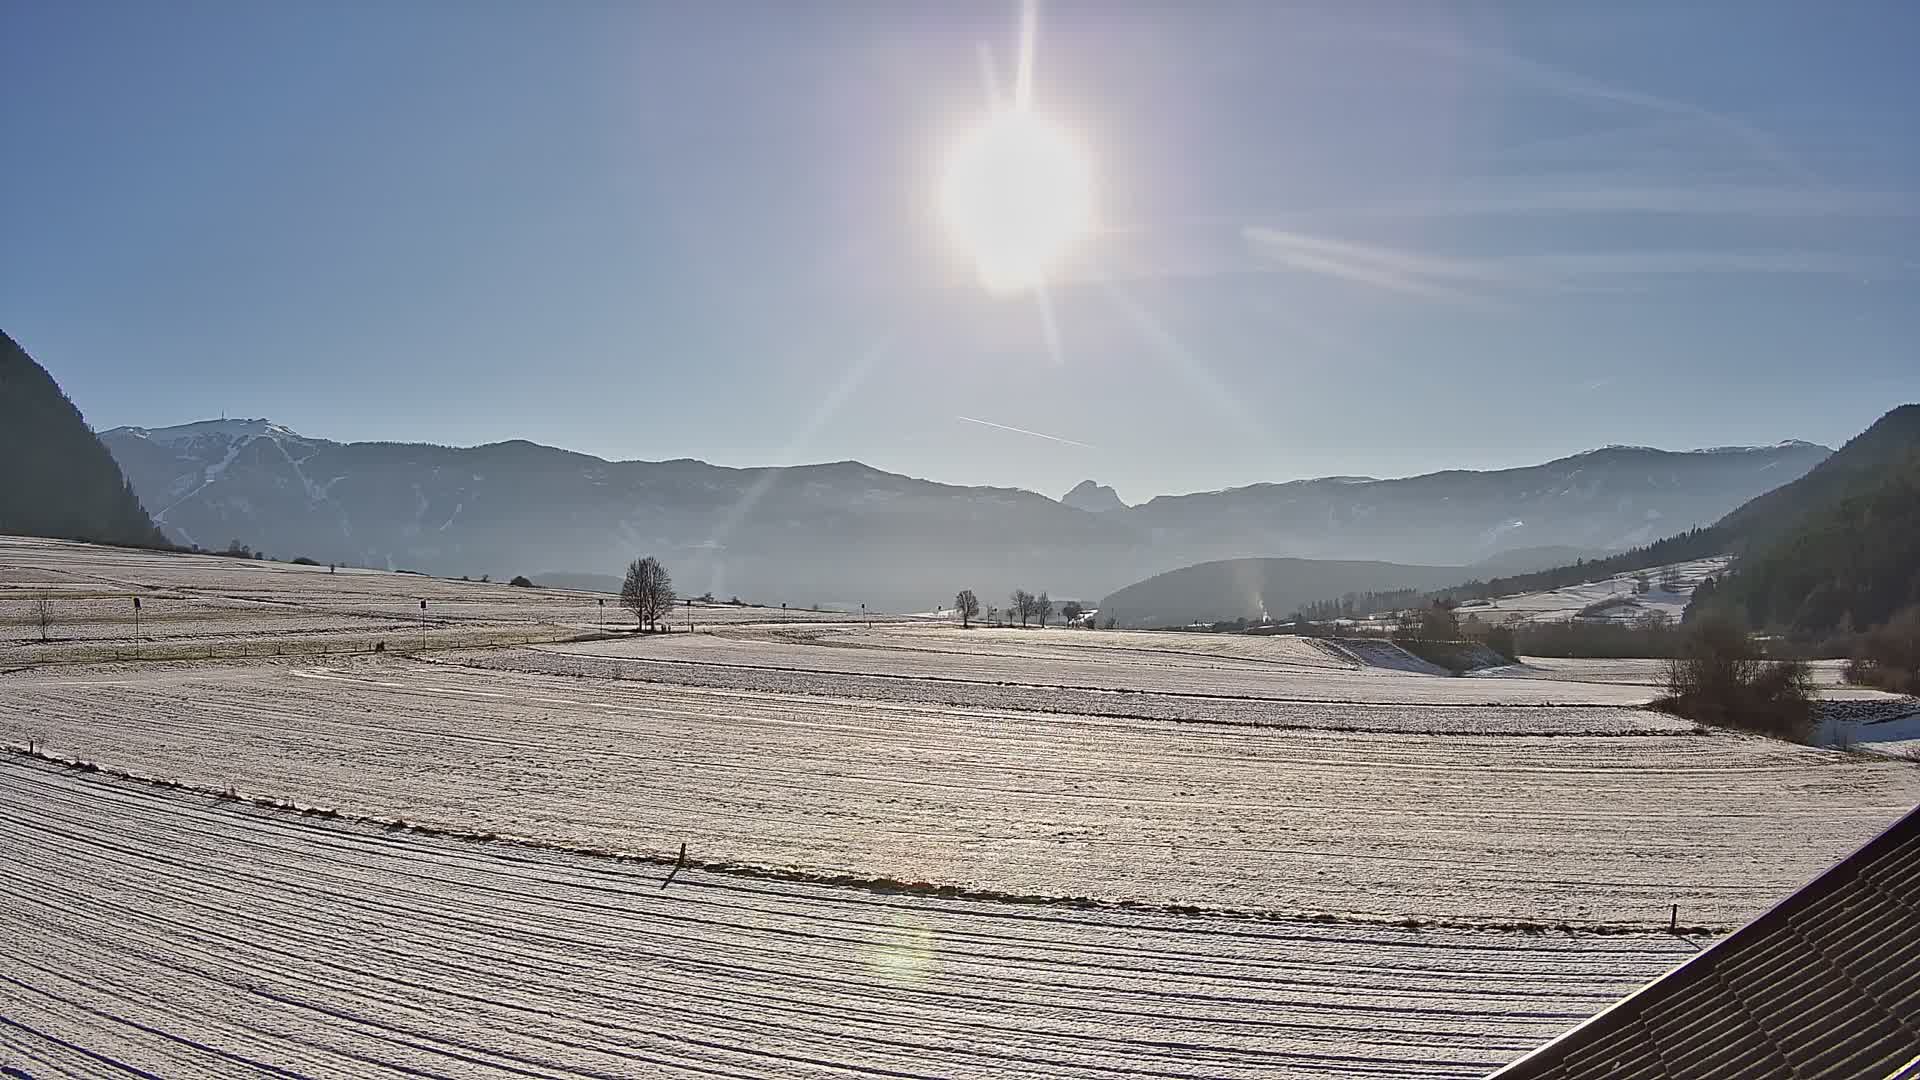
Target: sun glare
x=1016 y=195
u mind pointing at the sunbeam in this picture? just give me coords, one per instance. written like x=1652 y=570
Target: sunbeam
x=1177 y=356
x=828 y=407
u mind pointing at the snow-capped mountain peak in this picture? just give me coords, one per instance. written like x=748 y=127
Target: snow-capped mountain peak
x=228 y=430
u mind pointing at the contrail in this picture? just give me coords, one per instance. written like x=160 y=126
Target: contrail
x=1024 y=431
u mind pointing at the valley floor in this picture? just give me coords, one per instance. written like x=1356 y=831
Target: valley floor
x=913 y=850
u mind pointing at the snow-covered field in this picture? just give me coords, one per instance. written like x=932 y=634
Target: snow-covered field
x=1064 y=658
x=1563 y=604
x=169 y=933
x=1517 y=814
x=916 y=851
x=189 y=603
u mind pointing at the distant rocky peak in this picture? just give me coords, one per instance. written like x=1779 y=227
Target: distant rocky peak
x=1093 y=498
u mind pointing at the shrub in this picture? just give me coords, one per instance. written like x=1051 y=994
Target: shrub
x=521 y=581
x=1720 y=678
x=1889 y=655
x=302 y=560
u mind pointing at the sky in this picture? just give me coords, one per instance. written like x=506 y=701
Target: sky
x=1329 y=239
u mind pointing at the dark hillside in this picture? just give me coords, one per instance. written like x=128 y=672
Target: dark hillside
x=55 y=478
x=1859 y=467
x=1841 y=568
x=1257 y=588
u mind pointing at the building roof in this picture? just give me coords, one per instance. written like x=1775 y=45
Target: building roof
x=1825 y=984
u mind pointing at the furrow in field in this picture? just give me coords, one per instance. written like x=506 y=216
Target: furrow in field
x=1106 y=670
x=328 y=949
x=1510 y=828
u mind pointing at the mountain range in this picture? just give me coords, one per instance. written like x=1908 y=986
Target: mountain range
x=845 y=533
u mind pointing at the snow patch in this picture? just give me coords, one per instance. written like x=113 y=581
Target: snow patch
x=227 y=429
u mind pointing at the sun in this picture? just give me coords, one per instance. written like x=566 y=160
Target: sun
x=1016 y=195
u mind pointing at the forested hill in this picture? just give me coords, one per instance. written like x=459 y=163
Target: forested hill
x=1851 y=559
x=55 y=477
x=1836 y=549
x=1860 y=467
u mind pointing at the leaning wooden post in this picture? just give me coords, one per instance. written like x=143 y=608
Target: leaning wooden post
x=677 y=866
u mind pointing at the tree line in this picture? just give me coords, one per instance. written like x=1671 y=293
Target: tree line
x=1021 y=605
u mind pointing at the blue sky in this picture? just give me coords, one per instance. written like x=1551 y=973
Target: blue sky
x=1332 y=238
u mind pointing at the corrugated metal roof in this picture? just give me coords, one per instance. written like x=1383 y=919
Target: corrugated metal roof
x=1825 y=984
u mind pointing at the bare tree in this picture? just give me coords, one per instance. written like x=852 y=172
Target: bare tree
x=647 y=591
x=1042 y=608
x=1071 y=611
x=1020 y=604
x=968 y=605
x=43 y=614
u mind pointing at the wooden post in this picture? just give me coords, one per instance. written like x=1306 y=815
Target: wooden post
x=680 y=863
x=1673 y=921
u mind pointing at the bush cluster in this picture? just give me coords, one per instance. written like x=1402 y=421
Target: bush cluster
x=1719 y=677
